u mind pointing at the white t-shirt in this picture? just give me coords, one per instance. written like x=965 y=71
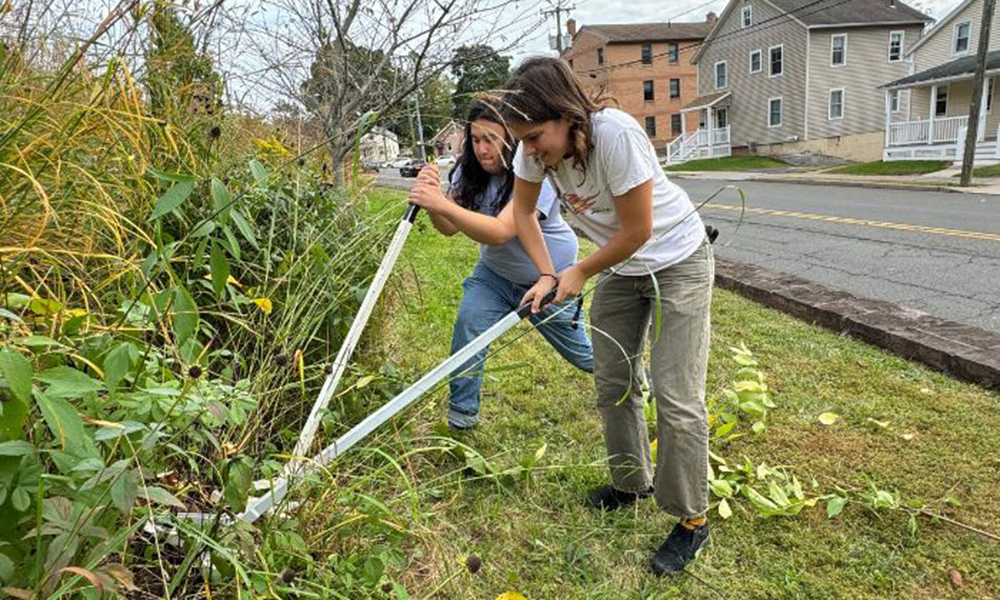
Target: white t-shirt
x=622 y=158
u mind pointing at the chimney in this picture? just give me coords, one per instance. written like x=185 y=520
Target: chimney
x=571 y=27
x=711 y=18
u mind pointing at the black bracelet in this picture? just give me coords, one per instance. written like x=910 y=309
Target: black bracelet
x=540 y=275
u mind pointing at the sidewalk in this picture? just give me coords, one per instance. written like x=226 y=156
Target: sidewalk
x=932 y=182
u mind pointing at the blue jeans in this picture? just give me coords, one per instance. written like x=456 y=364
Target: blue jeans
x=488 y=298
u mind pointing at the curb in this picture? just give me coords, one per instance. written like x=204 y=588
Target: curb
x=834 y=183
x=963 y=351
x=865 y=184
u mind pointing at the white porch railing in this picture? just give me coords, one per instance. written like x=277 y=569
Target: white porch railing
x=929 y=131
x=702 y=143
x=681 y=146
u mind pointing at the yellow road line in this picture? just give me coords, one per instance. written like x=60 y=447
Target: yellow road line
x=976 y=235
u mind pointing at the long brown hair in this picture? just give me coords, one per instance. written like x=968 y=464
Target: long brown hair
x=545 y=89
x=471 y=188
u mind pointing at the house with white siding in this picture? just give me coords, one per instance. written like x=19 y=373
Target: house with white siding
x=927 y=112
x=798 y=76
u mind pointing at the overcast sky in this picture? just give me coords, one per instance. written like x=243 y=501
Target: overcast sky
x=591 y=12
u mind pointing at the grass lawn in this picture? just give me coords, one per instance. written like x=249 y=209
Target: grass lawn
x=729 y=163
x=898 y=167
x=990 y=171
x=537 y=537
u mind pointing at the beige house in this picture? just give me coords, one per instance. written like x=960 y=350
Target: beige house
x=798 y=76
x=927 y=112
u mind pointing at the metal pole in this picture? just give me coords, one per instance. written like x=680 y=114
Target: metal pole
x=351 y=341
x=977 y=93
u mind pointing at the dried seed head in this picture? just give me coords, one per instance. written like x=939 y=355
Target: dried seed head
x=287 y=576
x=281 y=359
x=386 y=587
x=302 y=162
x=194 y=372
x=473 y=563
x=215 y=132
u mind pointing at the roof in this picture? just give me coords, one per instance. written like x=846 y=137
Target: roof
x=446 y=130
x=959 y=68
x=705 y=101
x=939 y=25
x=852 y=13
x=818 y=14
x=632 y=33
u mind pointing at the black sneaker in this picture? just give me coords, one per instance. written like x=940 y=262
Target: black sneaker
x=608 y=498
x=681 y=547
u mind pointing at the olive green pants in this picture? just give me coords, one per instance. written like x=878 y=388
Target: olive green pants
x=620 y=315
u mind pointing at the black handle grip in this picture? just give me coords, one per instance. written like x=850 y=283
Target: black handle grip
x=411 y=213
x=525 y=309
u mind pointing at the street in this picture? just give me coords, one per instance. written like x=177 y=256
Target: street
x=937 y=252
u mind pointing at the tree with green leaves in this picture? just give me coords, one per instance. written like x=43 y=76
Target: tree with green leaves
x=476 y=68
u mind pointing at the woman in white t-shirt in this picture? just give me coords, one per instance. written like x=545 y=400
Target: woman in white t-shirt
x=653 y=248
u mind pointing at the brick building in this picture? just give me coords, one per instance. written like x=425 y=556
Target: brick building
x=646 y=67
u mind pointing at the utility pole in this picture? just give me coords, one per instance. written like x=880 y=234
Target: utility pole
x=420 y=128
x=972 y=134
x=558 y=10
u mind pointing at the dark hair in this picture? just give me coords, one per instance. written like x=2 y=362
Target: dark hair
x=472 y=185
x=545 y=89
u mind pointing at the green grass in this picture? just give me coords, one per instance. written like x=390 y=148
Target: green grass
x=990 y=171
x=730 y=163
x=898 y=167
x=537 y=538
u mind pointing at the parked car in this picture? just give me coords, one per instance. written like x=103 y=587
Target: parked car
x=412 y=168
x=397 y=163
x=369 y=166
x=446 y=162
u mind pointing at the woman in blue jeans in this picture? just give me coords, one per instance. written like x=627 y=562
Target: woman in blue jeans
x=477 y=205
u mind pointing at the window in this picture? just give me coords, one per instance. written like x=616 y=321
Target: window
x=647 y=90
x=941 y=103
x=675 y=88
x=721 y=118
x=838 y=50
x=894 y=101
x=989 y=96
x=774 y=112
x=747 y=17
x=600 y=56
x=961 y=35
x=896 y=46
x=675 y=124
x=721 y=75
x=756 y=61
x=651 y=126
x=647 y=54
x=836 y=109
x=777 y=54
x=673 y=54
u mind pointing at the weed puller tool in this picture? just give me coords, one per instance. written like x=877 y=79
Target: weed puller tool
x=304 y=444
x=257 y=507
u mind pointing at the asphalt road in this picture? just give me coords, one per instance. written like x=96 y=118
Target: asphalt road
x=938 y=252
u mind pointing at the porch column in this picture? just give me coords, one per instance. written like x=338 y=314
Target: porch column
x=684 y=125
x=711 y=125
x=888 y=117
x=930 y=113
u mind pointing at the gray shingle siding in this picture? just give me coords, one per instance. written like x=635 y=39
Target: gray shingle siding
x=867 y=67
x=748 y=105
